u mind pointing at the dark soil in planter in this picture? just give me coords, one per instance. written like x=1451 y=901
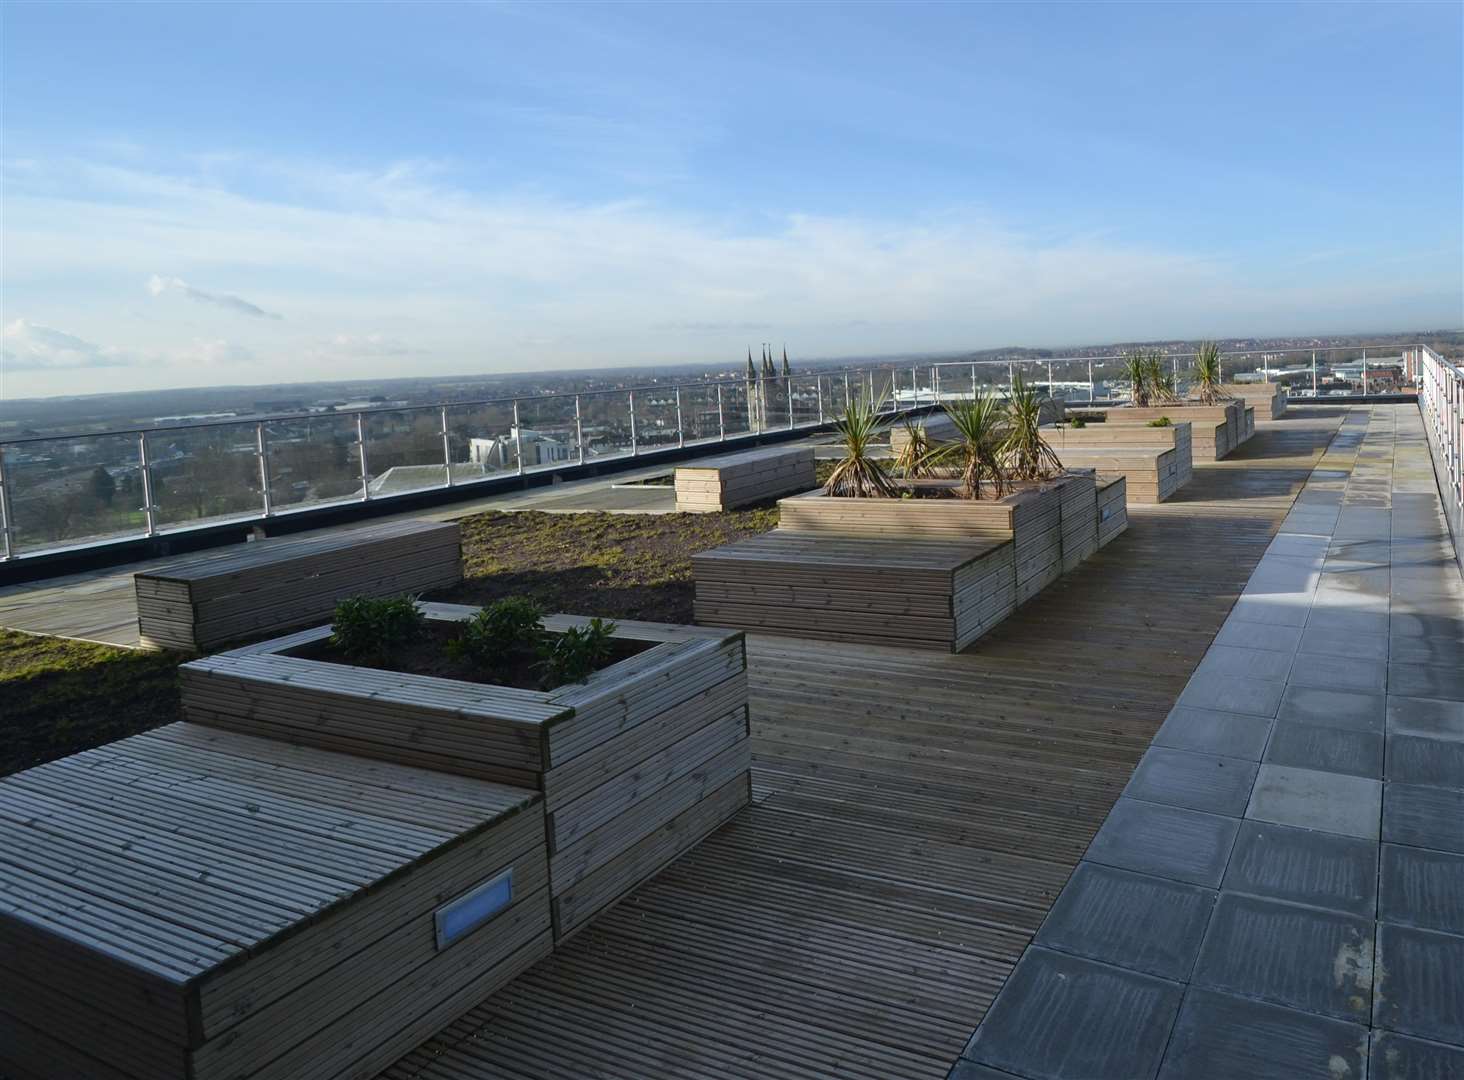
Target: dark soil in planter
x=428 y=656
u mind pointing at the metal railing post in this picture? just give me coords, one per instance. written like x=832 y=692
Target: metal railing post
x=1364 y=373
x=1314 y=373
x=1011 y=377
x=846 y=392
x=680 y=434
x=1092 y=386
x=973 y=382
x=361 y=451
x=149 y=508
x=818 y=390
x=1050 y=391
x=579 y=430
x=788 y=389
x=914 y=385
x=7 y=523
x=721 y=418
x=634 y=444
x=261 y=450
x=518 y=436
x=446 y=451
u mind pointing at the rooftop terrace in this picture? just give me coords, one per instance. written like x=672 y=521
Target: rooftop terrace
x=1252 y=699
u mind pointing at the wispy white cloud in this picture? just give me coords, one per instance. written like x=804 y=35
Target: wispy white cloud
x=160 y=285
x=32 y=347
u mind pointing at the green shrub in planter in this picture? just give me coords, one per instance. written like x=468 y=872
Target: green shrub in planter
x=370 y=628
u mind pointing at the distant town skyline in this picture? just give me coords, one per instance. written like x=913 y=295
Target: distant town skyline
x=225 y=194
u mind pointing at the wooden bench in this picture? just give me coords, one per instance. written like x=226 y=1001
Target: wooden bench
x=195 y=904
x=926 y=594
x=273 y=585
x=1217 y=429
x=1112 y=507
x=733 y=480
x=635 y=766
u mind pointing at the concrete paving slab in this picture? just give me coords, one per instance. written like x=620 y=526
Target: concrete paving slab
x=1186 y=845
x=1422 y=816
x=1324 y=642
x=1420 y=991
x=1422 y=888
x=1352 y=710
x=1402 y=1057
x=1302 y=866
x=1427 y=681
x=1306 y=958
x=1414 y=759
x=1307 y=799
x=1432 y=718
x=1437 y=651
x=1351 y=622
x=1221 y=1035
x=1254 y=663
x=1249 y=635
x=1219 y=785
x=1062 y=1017
x=1233 y=693
x=1339 y=673
x=1212 y=732
x=1326 y=749
x=1136 y=921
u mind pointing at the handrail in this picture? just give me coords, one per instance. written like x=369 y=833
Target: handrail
x=744 y=408
x=1441 y=401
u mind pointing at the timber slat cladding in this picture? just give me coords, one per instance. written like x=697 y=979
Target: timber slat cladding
x=272 y=585
x=1153 y=474
x=1268 y=399
x=1112 y=506
x=214 y=905
x=914 y=816
x=733 y=480
x=611 y=755
x=1217 y=429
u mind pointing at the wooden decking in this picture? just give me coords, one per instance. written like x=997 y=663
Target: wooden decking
x=914 y=815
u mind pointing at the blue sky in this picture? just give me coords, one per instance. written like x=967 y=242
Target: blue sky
x=210 y=193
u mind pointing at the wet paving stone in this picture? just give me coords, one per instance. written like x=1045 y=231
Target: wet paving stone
x=1223 y=1036
x=1311 y=746
x=1186 y=845
x=1431 y=718
x=1416 y=760
x=1130 y=920
x=1319 y=961
x=1427 y=681
x=1333 y=708
x=1233 y=693
x=1308 y=799
x=1423 y=816
x=1211 y=732
x=1420 y=991
x=1422 y=888
x=1305 y=867
x=1062 y=1017
x=1402 y=1057
x=1219 y=785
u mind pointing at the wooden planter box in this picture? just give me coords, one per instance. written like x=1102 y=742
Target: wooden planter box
x=635 y=766
x=926 y=594
x=1156 y=461
x=1268 y=399
x=733 y=480
x=1217 y=429
x=194 y=904
x=274 y=585
x=1112 y=506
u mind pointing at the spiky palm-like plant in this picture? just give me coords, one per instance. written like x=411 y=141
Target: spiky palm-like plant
x=1208 y=376
x=912 y=461
x=860 y=475
x=1138 y=377
x=1160 y=378
x=1025 y=453
x=981 y=427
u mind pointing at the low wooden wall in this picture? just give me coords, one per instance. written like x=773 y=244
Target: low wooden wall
x=733 y=480
x=274 y=585
x=1112 y=507
x=624 y=760
x=1268 y=399
x=1158 y=461
x=198 y=904
x=926 y=594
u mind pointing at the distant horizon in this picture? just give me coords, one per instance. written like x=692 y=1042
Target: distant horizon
x=848 y=359
x=239 y=193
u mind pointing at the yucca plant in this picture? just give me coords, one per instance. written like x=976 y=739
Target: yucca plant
x=1208 y=376
x=859 y=474
x=981 y=428
x=1160 y=378
x=1138 y=376
x=911 y=462
x=1025 y=453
